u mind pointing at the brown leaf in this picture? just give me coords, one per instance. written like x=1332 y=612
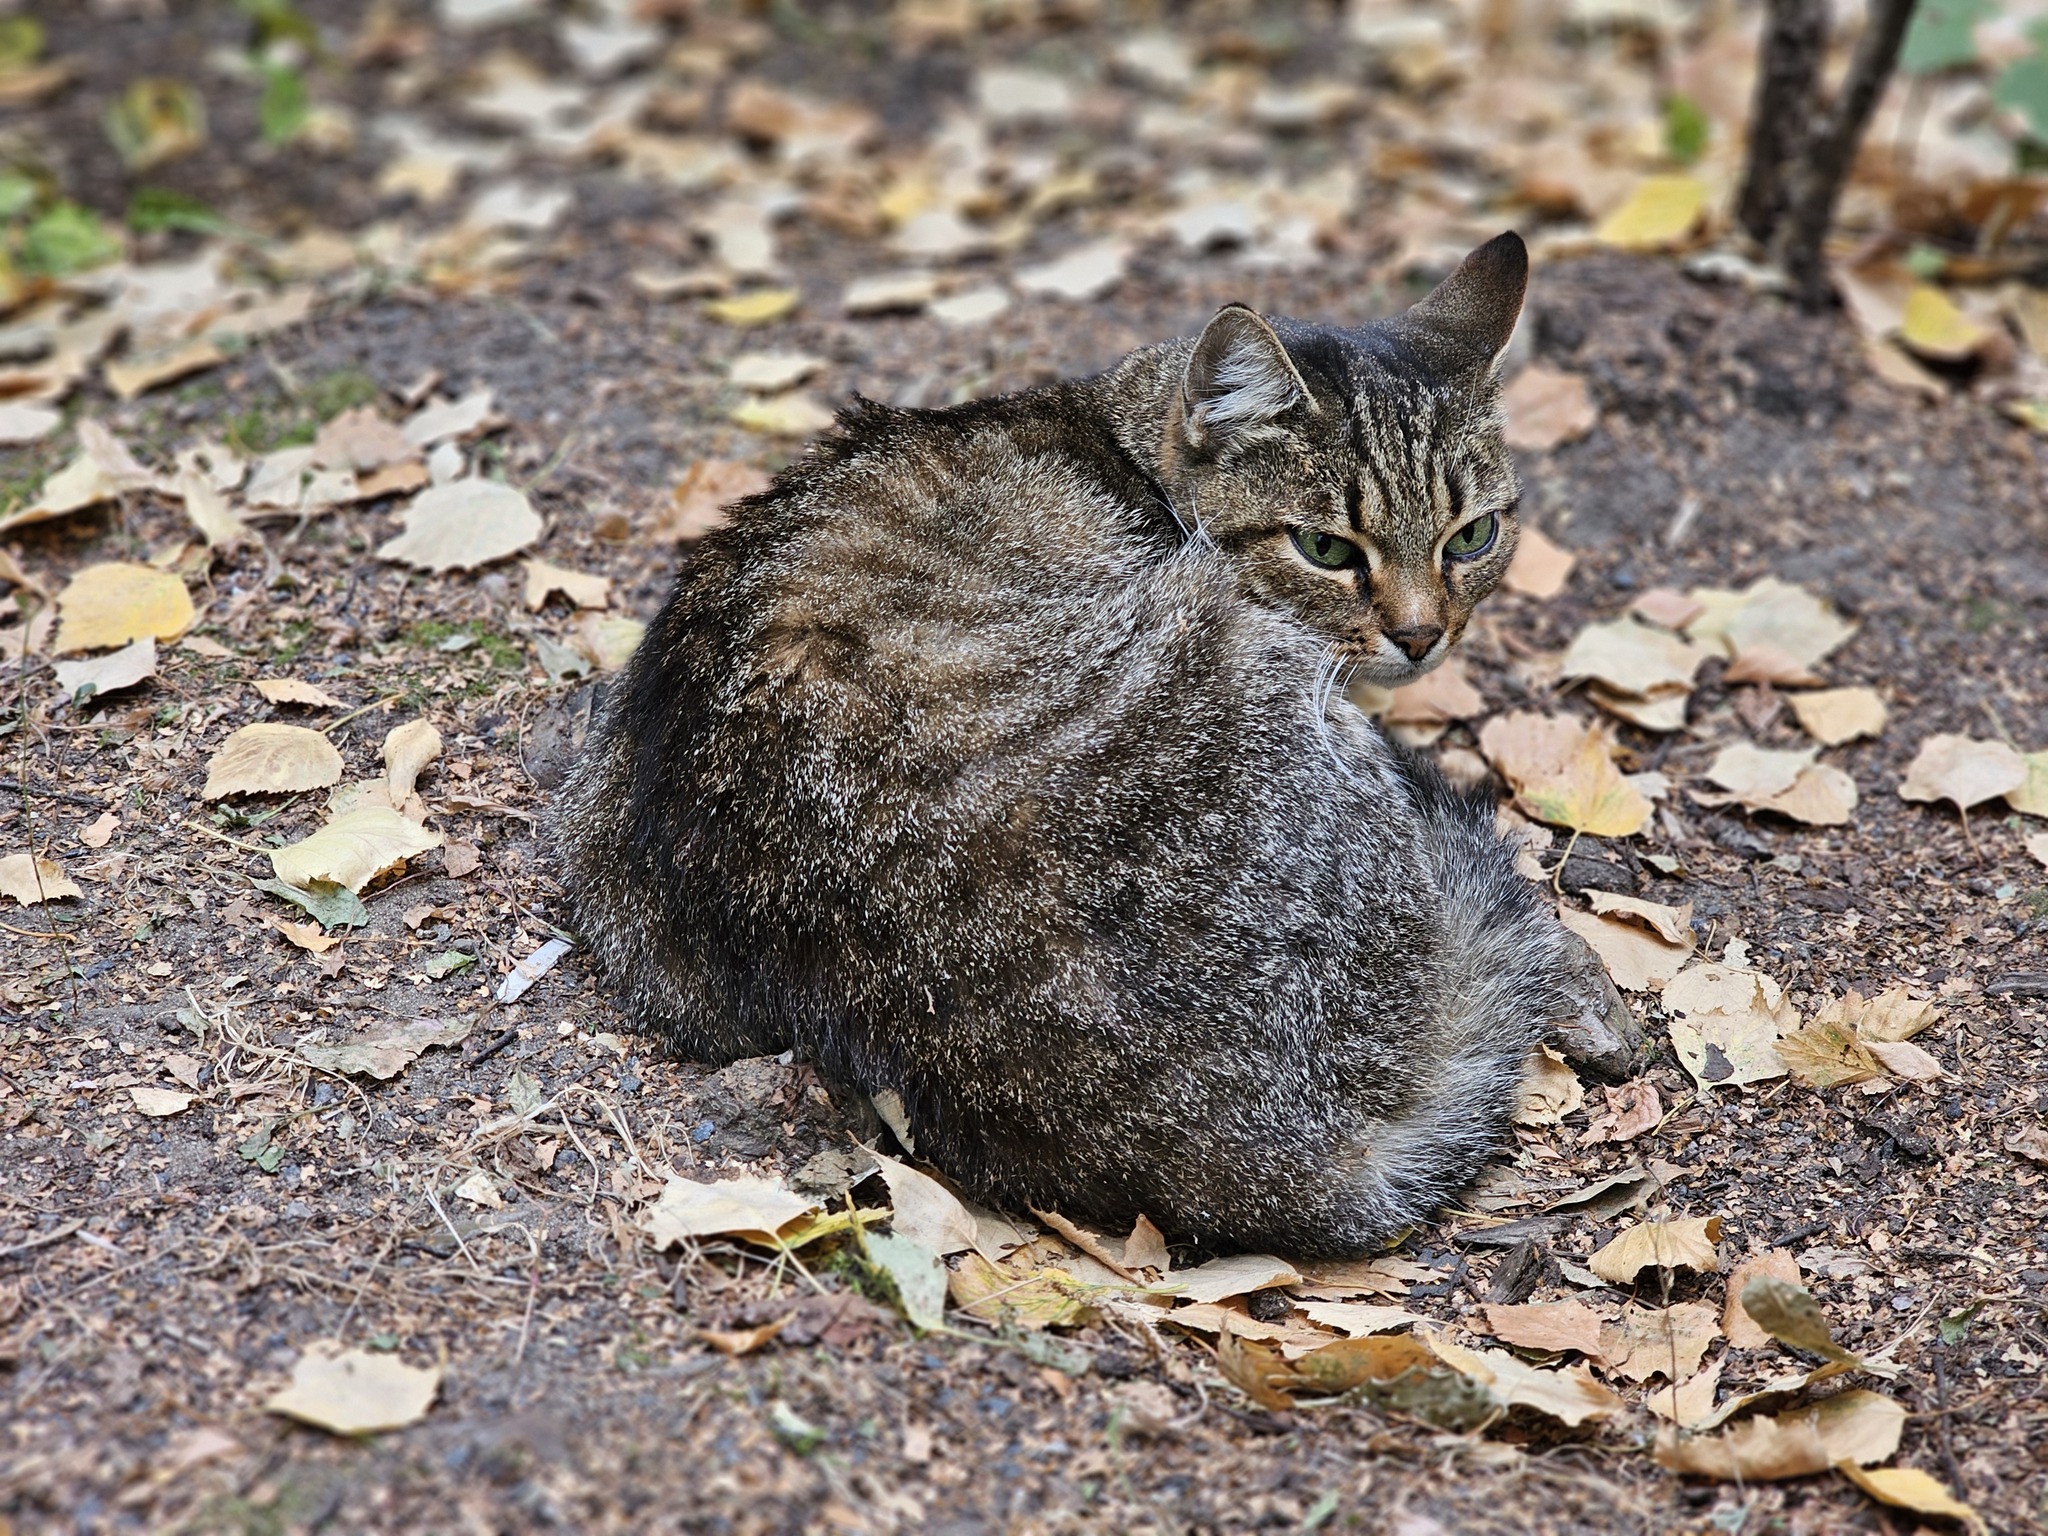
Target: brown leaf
x=1654 y=1341
x=1687 y=1244
x=1547 y=408
x=1237 y=1275
x=1962 y=771
x=386 y=1049
x=291 y=690
x=581 y=588
x=1636 y=960
x=408 y=748
x=362 y=440
x=1910 y=1488
x=1145 y=1248
x=926 y=1211
x=31 y=881
x=1540 y=567
x=1858 y=1426
x=1551 y=1326
x=271 y=759
x=1550 y=1090
x=1632 y=1109
x=707 y=488
x=355 y=1392
x=743 y=1341
x=1832 y=716
x=1562 y=773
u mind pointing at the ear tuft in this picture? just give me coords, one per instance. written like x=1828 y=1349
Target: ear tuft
x=1473 y=311
x=1238 y=376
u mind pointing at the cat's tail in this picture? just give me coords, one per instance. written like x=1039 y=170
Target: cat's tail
x=1506 y=971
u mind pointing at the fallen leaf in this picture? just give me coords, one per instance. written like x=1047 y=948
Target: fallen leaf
x=306 y=935
x=439 y=419
x=794 y=415
x=1826 y=1053
x=977 y=306
x=1754 y=773
x=102 y=830
x=1743 y=1331
x=161 y=1101
x=1086 y=274
x=1438 y=697
x=1910 y=1488
x=479 y=1191
x=1633 y=657
x=1004 y=1294
x=732 y=1343
x=769 y=373
x=32 y=881
x=1857 y=1426
x=1237 y=1275
x=1547 y=408
x=292 y=690
x=2031 y=798
x=748 y=1208
x=1894 y=1014
x=925 y=1210
x=1963 y=771
x=1934 y=328
x=132 y=664
x=763 y=306
x=116 y=602
x=1540 y=567
x=462 y=525
x=1631 y=1110
x=1357 y=1318
x=330 y=905
x=1687 y=1244
x=1145 y=1248
x=1637 y=961
x=362 y=440
x=889 y=293
x=1832 y=716
x=700 y=498
x=355 y=1392
x=353 y=849
x=1550 y=1090
x=2030 y=1142
x=1666 y=607
x=1661 y=212
x=1570 y=1395
x=580 y=587
x=1562 y=774
x=1902 y=1058
x=1659 y=1341
x=22 y=424
x=142 y=371
x=408 y=748
x=385 y=1049
x=1673 y=924
x=915 y=1274
x=272 y=759
x=1770 y=618
x=1725 y=1024
x=1690 y=1404
x=1550 y=1326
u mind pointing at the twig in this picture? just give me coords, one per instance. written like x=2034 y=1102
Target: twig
x=496 y=1044
x=1941 y=1415
x=44 y=1241
x=427 y=1189
x=331 y=727
x=222 y=837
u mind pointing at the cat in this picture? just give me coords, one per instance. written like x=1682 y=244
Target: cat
x=997 y=757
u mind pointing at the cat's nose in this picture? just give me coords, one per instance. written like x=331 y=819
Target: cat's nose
x=1416 y=639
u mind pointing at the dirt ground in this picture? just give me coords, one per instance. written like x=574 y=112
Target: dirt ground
x=158 y=1277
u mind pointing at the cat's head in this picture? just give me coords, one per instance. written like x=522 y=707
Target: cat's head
x=1359 y=476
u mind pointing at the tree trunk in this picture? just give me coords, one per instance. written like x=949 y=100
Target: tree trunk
x=1800 y=152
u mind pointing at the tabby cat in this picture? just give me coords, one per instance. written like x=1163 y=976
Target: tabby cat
x=998 y=756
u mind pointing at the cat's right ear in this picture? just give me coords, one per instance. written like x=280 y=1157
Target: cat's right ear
x=1238 y=376
x=1471 y=314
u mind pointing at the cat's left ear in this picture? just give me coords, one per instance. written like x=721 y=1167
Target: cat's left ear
x=1472 y=313
x=1238 y=376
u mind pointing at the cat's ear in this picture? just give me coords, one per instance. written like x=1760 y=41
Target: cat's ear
x=1472 y=313
x=1238 y=376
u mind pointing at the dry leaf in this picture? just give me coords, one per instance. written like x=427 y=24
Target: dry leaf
x=743 y=1341
x=1725 y=1024
x=1547 y=408
x=795 y=415
x=1238 y=1275
x=1551 y=1326
x=1858 y=1426
x=271 y=759
x=1438 y=697
x=463 y=524
x=1357 y=1318
x=1570 y=1396
x=609 y=640
x=1832 y=716
x=1934 y=328
x=362 y=440
x=1743 y=1331
x=1894 y=1014
x=1540 y=567
x=1666 y=607
x=1690 y=1404
x=1636 y=960
x=1662 y=211
x=1632 y=656
x=1910 y=1488
x=355 y=1392
x=1755 y=774
x=132 y=664
x=925 y=1211
x=769 y=373
x=353 y=849
x=1787 y=626
x=889 y=293
x=1826 y=1053
x=1562 y=774
x=1963 y=771
x=2031 y=798
x=1660 y=1341
x=1673 y=924
x=1904 y=1059
x=581 y=588
x=161 y=1101
x=700 y=498
x=385 y=1049
x=116 y=602
x=439 y=419
x=1083 y=275
x=763 y=306
x=1145 y=1248
x=1004 y=1294
x=1550 y=1090
x=1687 y=1244
x=31 y=881
x=408 y=748
x=102 y=830
x=1631 y=1109
x=306 y=935
x=290 y=690
x=748 y=1208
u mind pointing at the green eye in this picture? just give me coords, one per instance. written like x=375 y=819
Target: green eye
x=1475 y=538
x=1327 y=550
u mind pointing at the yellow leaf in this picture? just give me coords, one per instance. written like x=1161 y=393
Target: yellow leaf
x=31 y=881
x=1662 y=211
x=1832 y=716
x=1858 y=1426
x=753 y=1209
x=761 y=307
x=1935 y=328
x=1593 y=797
x=114 y=603
x=1023 y=1298
x=272 y=759
x=161 y=1101
x=352 y=850
x=2031 y=798
x=354 y=1392
x=1910 y=1488
x=784 y=416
